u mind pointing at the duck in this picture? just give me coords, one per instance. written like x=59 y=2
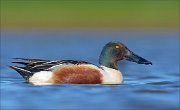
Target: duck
x=47 y=72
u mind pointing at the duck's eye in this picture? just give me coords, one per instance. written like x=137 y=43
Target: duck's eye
x=117 y=46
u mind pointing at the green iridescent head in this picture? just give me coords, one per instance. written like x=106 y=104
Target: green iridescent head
x=116 y=51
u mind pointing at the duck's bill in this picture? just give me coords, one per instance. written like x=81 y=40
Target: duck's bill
x=130 y=56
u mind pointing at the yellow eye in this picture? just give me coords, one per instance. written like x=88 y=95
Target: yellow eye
x=117 y=46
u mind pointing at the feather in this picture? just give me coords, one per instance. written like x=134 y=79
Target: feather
x=36 y=65
x=24 y=73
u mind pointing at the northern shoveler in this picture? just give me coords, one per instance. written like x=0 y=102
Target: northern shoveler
x=43 y=72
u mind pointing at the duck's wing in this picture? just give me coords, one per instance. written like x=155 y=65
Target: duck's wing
x=32 y=66
x=31 y=60
x=35 y=65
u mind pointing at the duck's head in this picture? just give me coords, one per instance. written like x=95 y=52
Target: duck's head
x=116 y=51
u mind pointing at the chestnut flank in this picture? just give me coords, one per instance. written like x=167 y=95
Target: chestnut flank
x=79 y=74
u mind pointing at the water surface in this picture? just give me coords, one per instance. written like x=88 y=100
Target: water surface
x=145 y=87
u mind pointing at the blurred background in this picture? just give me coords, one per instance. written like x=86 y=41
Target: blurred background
x=90 y=14
x=78 y=30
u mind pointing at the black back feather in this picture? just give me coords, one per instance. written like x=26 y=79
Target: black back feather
x=32 y=66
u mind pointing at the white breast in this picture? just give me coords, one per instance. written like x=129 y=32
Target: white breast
x=111 y=76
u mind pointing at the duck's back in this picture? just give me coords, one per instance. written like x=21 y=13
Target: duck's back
x=40 y=72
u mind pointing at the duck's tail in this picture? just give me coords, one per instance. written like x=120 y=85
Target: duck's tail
x=23 y=72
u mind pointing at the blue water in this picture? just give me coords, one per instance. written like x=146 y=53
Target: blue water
x=152 y=87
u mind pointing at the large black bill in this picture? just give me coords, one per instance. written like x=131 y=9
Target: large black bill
x=130 y=56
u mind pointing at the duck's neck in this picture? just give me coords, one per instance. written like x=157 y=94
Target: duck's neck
x=108 y=61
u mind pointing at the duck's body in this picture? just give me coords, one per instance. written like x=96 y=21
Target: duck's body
x=43 y=72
